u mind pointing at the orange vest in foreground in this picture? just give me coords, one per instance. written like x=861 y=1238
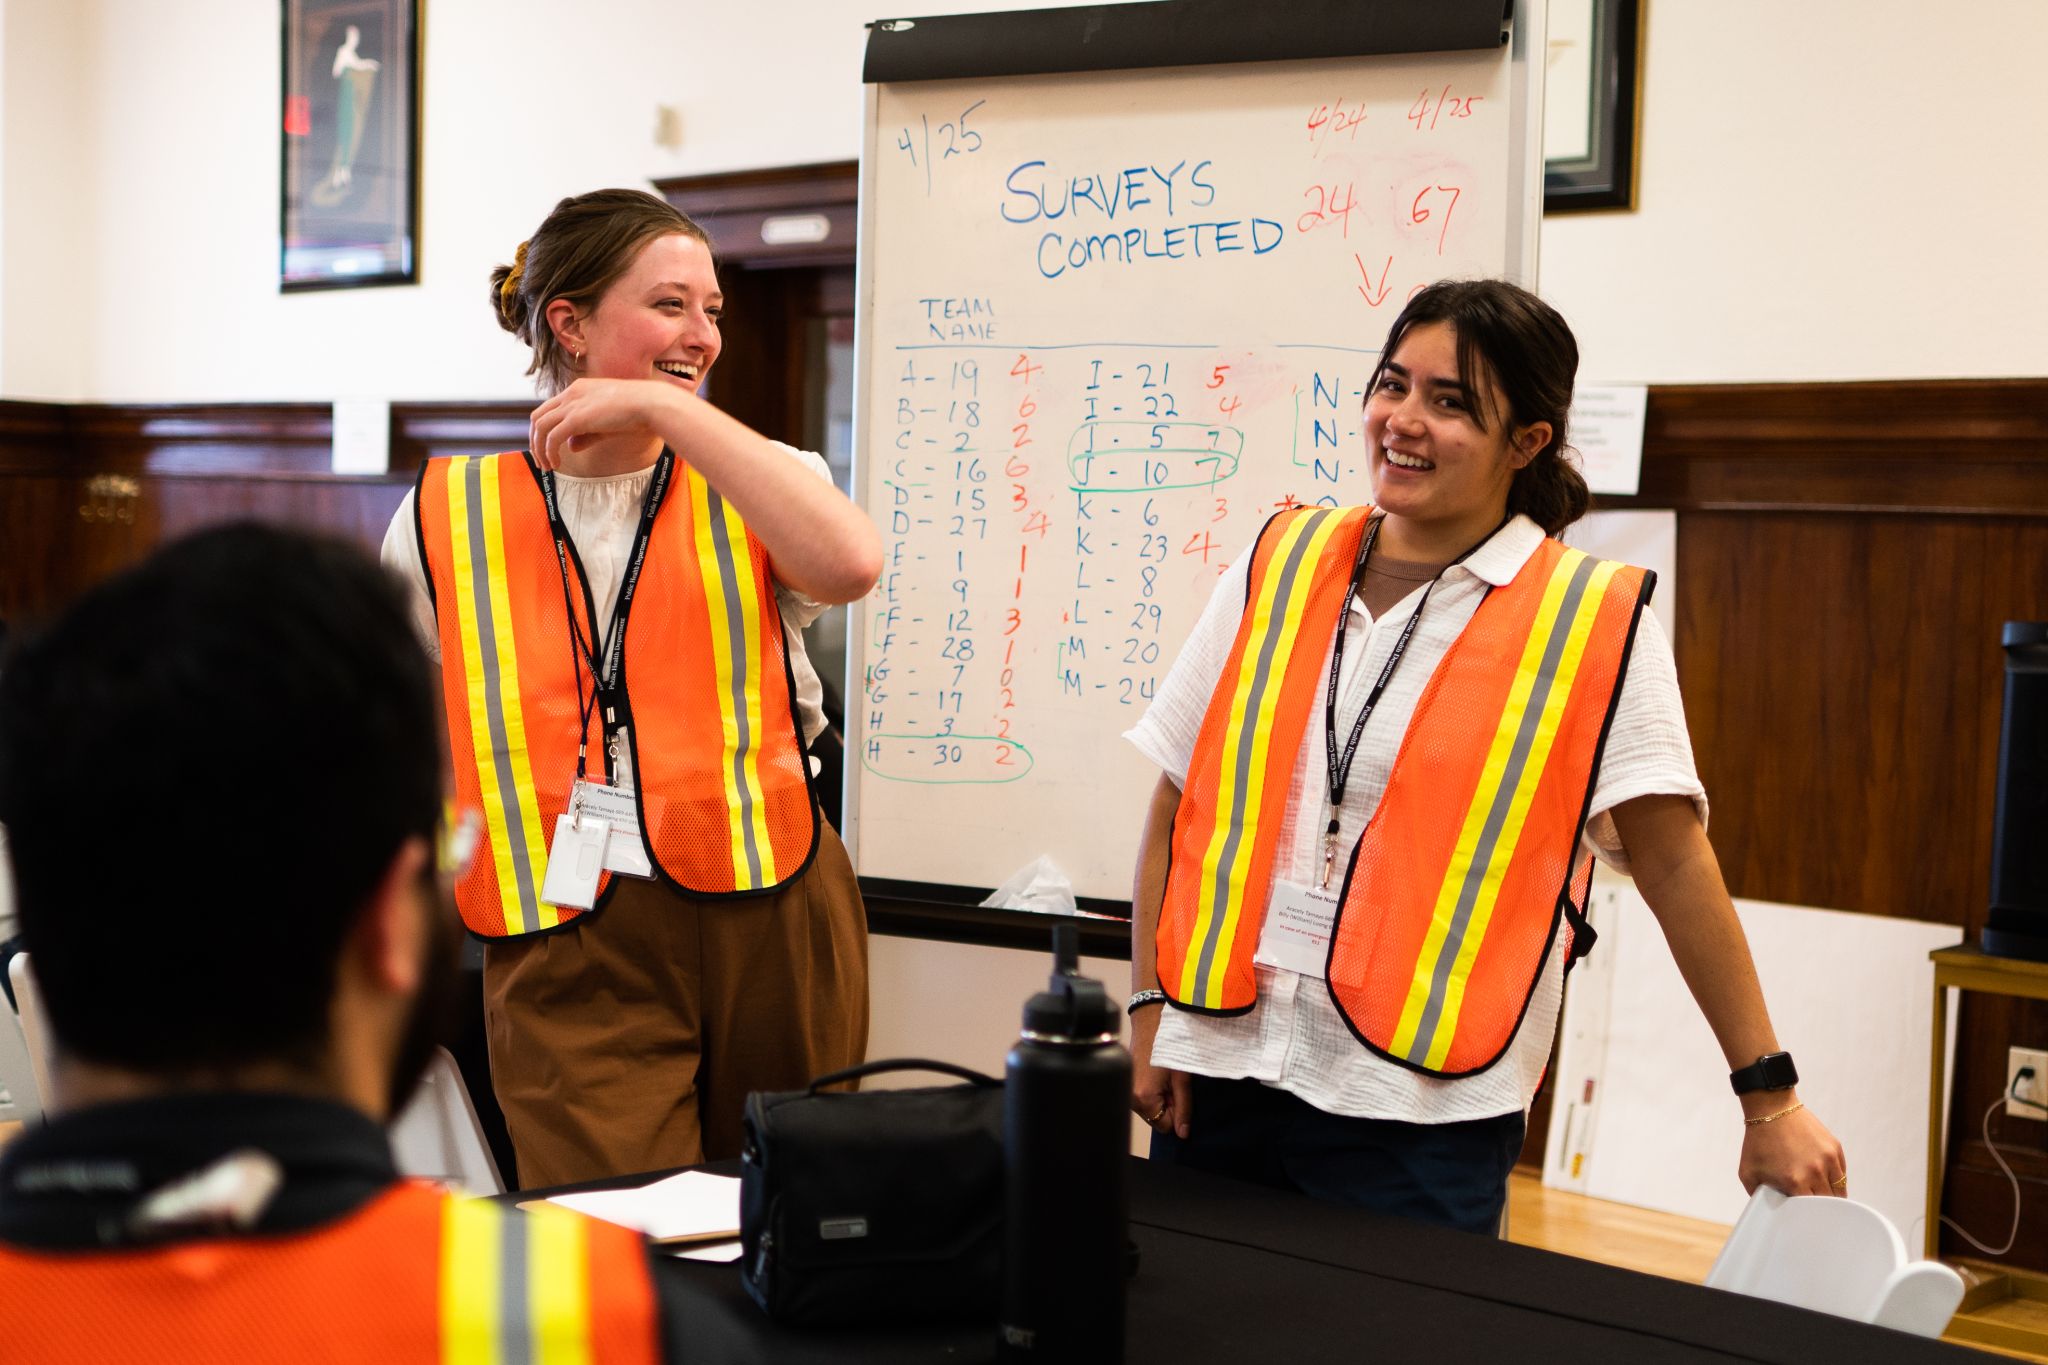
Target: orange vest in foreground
x=723 y=784
x=414 y=1276
x=1452 y=896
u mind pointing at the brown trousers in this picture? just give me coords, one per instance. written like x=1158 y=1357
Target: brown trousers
x=629 y=1042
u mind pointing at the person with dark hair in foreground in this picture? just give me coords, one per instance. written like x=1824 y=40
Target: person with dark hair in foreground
x=1358 y=966
x=220 y=775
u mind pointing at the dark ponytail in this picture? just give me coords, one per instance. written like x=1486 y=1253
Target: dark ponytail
x=1506 y=332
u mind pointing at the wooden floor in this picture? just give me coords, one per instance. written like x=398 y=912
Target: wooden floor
x=1614 y=1234
x=1654 y=1243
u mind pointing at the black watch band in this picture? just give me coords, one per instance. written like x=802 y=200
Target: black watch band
x=1772 y=1071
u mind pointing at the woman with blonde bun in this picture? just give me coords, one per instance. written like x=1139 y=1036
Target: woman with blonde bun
x=668 y=921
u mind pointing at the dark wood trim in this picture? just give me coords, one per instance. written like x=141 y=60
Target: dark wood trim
x=1958 y=447
x=237 y=440
x=775 y=187
x=255 y=441
x=733 y=207
x=424 y=431
x=35 y=438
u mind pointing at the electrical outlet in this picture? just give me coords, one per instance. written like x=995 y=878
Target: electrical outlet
x=2034 y=1088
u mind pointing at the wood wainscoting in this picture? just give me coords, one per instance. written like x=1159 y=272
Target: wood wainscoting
x=1846 y=556
x=87 y=488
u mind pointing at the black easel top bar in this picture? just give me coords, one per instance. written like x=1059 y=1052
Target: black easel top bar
x=1173 y=33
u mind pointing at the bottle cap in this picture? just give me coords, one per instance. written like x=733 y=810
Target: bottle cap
x=1072 y=1007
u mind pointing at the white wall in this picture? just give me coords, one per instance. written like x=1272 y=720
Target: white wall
x=1830 y=190
x=47 y=123
x=525 y=101
x=951 y=1002
x=1813 y=178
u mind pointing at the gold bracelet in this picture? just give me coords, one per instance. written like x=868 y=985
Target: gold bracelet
x=1773 y=1118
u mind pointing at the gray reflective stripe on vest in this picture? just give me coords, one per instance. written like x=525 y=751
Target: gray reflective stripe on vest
x=736 y=633
x=1219 y=890
x=494 y=692
x=1497 y=813
x=515 y=1312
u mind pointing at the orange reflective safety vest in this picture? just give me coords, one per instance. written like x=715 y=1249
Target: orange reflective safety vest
x=1452 y=895
x=414 y=1276
x=723 y=785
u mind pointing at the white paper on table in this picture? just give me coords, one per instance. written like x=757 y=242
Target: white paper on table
x=705 y=1251
x=1607 y=431
x=694 y=1206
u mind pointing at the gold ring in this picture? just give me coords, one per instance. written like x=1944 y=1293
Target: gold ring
x=1158 y=1116
x=1843 y=1183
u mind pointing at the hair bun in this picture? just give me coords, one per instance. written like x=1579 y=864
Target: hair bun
x=505 y=301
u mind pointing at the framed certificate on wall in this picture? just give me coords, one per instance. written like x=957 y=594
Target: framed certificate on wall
x=1591 y=96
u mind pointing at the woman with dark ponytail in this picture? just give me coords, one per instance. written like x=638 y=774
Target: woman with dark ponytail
x=1391 y=750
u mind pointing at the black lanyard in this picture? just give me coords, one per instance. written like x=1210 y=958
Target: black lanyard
x=1340 y=765
x=605 y=671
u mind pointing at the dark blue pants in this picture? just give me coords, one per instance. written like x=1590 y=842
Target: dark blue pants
x=1454 y=1174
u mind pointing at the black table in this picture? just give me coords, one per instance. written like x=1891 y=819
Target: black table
x=1236 y=1273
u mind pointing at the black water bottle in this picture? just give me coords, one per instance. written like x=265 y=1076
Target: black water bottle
x=1066 y=1140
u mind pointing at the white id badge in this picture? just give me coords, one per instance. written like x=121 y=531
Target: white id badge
x=1296 y=934
x=575 y=860
x=624 y=852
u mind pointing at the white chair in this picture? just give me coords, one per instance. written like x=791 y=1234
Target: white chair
x=23 y=1103
x=35 y=1026
x=1834 y=1256
x=437 y=1136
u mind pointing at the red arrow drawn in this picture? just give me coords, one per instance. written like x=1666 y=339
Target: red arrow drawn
x=1372 y=300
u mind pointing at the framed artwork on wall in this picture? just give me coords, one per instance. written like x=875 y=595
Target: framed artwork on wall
x=349 y=190
x=1591 y=98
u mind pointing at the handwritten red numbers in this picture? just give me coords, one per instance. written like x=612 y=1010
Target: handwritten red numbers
x=1017 y=467
x=1333 y=204
x=1429 y=107
x=1328 y=120
x=1419 y=213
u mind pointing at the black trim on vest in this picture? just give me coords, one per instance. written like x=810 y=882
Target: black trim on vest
x=1577 y=914
x=419 y=537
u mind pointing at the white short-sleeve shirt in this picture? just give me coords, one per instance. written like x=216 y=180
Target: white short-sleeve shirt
x=603 y=515
x=1294 y=1038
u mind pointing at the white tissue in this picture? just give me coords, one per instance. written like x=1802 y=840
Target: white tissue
x=1038 y=885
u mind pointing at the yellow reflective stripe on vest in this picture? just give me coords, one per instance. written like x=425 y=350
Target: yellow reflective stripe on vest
x=514 y=1288
x=732 y=597
x=1240 y=794
x=490 y=664
x=1500 y=806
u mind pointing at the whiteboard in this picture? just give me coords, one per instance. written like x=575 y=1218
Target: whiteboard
x=1110 y=322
